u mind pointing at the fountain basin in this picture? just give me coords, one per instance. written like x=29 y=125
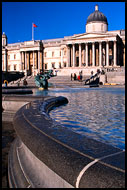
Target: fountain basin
x=45 y=154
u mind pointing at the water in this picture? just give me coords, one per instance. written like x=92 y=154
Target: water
x=97 y=113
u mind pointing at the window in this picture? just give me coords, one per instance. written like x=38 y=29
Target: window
x=45 y=54
x=64 y=64
x=64 y=52
x=53 y=65
x=14 y=67
x=8 y=67
x=14 y=56
x=8 y=56
x=59 y=64
x=46 y=66
x=60 y=53
x=53 y=54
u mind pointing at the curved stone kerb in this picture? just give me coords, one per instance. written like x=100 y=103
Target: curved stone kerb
x=65 y=152
x=50 y=103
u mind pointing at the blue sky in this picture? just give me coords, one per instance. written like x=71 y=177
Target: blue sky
x=55 y=19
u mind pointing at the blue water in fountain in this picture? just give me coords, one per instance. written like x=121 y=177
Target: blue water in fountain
x=97 y=113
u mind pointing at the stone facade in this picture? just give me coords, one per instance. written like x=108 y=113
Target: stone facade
x=95 y=49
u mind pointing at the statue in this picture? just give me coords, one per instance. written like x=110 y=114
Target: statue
x=41 y=79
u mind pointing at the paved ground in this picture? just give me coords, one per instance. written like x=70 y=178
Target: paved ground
x=8 y=135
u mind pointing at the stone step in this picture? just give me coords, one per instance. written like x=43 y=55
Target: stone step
x=53 y=80
x=64 y=79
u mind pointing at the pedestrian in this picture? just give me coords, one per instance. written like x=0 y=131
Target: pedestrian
x=79 y=77
x=25 y=82
x=91 y=73
x=6 y=83
x=71 y=76
x=75 y=77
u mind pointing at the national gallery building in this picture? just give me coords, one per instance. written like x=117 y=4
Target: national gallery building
x=96 y=49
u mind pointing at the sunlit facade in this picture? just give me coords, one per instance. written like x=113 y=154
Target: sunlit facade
x=97 y=48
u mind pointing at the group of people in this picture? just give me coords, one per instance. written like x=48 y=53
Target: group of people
x=79 y=77
x=75 y=77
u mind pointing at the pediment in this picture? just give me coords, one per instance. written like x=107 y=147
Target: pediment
x=90 y=35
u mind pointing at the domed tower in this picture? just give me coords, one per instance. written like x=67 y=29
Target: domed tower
x=96 y=22
x=4 y=39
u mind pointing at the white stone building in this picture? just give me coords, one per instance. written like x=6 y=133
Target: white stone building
x=95 y=49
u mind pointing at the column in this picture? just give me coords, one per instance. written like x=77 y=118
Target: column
x=28 y=62
x=103 y=54
x=115 y=55
x=68 y=56
x=38 y=61
x=80 y=55
x=107 y=53
x=93 y=54
x=97 y=55
x=86 y=55
x=100 y=54
x=124 y=55
x=41 y=61
x=23 y=56
x=33 y=63
x=21 y=61
x=73 y=55
x=90 y=50
x=25 y=63
x=5 y=61
x=62 y=58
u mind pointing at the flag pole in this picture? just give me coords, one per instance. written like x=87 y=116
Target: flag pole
x=32 y=32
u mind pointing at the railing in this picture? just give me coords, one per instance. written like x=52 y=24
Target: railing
x=93 y=79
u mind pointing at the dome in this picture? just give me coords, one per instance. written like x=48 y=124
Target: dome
x=97 y=16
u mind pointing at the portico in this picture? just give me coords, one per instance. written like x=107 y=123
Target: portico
x=31 y=58
x=92 y=53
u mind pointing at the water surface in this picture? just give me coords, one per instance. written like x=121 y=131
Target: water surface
x=97 y=113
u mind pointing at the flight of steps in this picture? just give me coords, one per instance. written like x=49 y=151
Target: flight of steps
x=30 y=81
x=53 y=81
x=66 y=81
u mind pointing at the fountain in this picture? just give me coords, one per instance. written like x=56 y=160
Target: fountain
x=51 y=154
x=41 y=80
